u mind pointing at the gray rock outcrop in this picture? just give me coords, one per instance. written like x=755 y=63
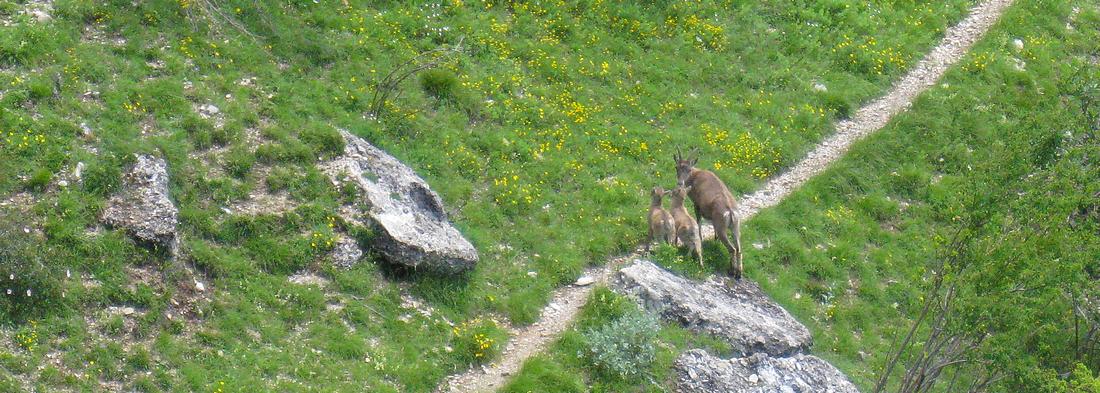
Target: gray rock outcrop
x=142 y=207
x=735 y=311
x=412 y=229
x=699 y=372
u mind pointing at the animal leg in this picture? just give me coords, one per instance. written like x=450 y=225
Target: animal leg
x=698 y=222
x=737 y=243
x=720 y=228
x=698 y=248
x=648 y=240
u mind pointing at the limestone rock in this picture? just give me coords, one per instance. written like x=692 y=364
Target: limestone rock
x=345 y=253
x=411 y=226
x=699 y=372
x=142 y=207
x=735 y=311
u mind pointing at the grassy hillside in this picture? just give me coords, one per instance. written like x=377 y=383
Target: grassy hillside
x=1006 y=139
x=541 y=128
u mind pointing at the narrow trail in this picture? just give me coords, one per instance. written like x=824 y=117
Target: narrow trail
x=566 y=302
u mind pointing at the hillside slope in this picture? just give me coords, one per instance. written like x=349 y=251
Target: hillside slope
x=980 y=200
x=541 y=127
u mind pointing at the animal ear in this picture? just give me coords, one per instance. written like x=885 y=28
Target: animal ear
x=678 y=155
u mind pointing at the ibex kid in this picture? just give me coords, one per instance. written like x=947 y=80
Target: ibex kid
x=714 y=202
x=686 y=228
x=660 y=221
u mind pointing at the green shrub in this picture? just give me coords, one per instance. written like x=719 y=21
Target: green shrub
x=322 y=139
x=289 y=151
x=604 y=306
x=477 y=341
x=226 y=134
x=441 y=84
x=199 y=131
x=625 y=348
x=103 y=176
x=239 y=161
x=39 y=179
x=40 y=88
x=302 y=184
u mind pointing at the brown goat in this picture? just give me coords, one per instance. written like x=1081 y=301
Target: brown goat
x=714 y=202
x=660 y=221
x=687 y=230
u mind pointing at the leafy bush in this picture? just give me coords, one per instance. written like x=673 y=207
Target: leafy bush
x=441 y=84
x=239 y=162
x=477 y=340
x=103 y=175
x=39 y=179
x=323 y=139
x=624 y=348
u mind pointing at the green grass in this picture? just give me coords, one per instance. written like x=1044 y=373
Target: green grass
x=848 y=254
x=560 y=116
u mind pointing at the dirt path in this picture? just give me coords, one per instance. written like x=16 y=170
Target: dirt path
x=566 y=302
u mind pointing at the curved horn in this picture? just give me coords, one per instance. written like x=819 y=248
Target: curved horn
x=694 y=152
x=678 y=155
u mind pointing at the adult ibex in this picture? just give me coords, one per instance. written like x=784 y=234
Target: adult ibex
x=660 y=222
x=687 y=229
x=714 y=202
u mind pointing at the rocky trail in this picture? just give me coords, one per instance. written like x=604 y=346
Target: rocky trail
x=772 y=360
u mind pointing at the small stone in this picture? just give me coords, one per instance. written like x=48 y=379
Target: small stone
x=199 y=286
x=78 y=172
x=758 y=246
x=62 y=183
x=1020 y=65
x=346 y=253
x=41 y=16
x=818 y=86
x=127 y=311
x=532 y=274
x=1018 y=44
x=585 y=280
